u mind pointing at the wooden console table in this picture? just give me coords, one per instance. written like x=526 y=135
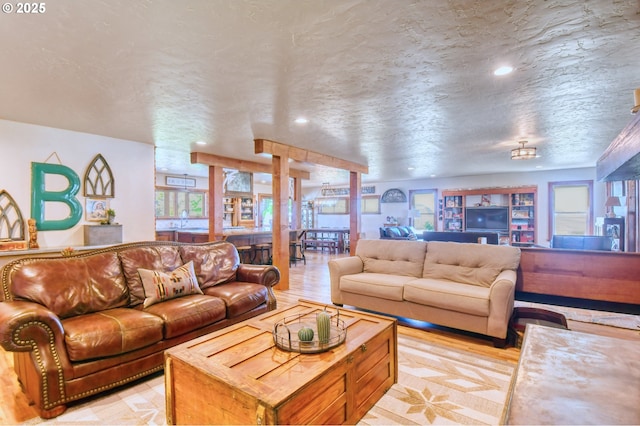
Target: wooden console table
x=567 y=377
x=238 y=375
x=584 y=274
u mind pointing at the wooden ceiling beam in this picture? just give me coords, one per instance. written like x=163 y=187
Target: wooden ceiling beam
x=241 y=165
x=305 y=156
x=621 y=160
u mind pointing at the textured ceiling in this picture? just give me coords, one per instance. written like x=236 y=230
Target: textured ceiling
x=391 y=84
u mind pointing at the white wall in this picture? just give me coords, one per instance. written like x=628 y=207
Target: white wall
x=371 y=223
x=132 y=165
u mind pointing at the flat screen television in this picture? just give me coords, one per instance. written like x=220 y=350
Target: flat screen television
x=487 y=218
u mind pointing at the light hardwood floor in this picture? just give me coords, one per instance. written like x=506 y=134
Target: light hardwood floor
x=311 y=282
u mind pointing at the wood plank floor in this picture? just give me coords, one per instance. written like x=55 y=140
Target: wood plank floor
x=311 y=282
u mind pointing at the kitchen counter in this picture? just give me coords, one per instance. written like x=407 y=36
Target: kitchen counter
x=237 y=235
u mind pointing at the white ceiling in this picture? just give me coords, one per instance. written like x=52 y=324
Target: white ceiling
x=391 y=84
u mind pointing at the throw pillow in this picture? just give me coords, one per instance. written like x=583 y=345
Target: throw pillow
x=160 y=286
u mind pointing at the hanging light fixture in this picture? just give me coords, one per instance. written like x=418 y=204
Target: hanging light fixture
x=326 y=189
x=523 y=153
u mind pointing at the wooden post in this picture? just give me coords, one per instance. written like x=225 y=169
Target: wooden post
x=355 y=206
x=216 y=207
x=280 y=227
x=296 y=207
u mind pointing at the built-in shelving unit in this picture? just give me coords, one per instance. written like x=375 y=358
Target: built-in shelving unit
x=238 y=211
x=246 y=210
x=453 y=212
x=508 y=211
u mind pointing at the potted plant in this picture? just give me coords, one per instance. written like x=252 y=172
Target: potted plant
x=111 y=214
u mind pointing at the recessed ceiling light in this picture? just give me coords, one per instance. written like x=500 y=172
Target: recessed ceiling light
x=503 y=70
x=411 y=168
x=201 y=143
x=301 y=120
x=433 y=175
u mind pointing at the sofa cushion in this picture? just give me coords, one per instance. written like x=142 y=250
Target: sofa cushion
x=214 y=264
x=72 y=286
x=156 y=258
x=384 y=286
x=110 y=332
x=392 y=257
x=394 y=232
x=240 y=297
x=452 y=296
x=160 y=286
x=188 y=313
x=476 y=264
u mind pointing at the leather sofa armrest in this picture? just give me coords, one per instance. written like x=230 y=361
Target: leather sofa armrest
x=23 y=324
x=338 y=268
x=501 y=301
x=267 y=275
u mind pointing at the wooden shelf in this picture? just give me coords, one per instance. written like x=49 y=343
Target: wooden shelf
x=519 y=202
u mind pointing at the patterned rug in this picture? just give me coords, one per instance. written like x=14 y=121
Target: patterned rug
x=610 y=319
x=436 y=385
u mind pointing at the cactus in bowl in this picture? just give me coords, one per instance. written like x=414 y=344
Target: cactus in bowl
x=323 y=321
x=305 y=334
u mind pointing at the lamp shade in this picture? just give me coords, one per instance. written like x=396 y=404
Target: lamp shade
x=612 y=202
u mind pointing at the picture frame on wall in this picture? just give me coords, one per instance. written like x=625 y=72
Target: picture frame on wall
x=614 y=228
x=96 y=209
x=239 y=184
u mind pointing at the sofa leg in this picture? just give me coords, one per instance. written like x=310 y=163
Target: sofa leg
x=499 y=343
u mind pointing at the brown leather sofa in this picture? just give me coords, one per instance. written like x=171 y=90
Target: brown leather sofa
x=87 y=323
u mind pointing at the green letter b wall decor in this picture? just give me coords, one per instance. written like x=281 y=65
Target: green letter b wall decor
x=40 y=196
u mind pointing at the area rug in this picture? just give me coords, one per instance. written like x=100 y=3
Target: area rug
x=611 y=319
x=436 y=385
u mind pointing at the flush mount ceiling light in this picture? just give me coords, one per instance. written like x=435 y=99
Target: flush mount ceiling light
x=523 y=153
x=301 y=120
x=503 y=70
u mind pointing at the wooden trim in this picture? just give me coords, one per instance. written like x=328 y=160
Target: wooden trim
x=583 y=274
x=241 y=165
x=621 y=159
x=305 y=156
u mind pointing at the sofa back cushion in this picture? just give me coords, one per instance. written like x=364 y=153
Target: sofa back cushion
x=397 y=257
x=468 y=263
x=213 y=263
x=155 y=258
x=72 y=286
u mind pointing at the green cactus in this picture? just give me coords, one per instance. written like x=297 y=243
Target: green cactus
x=305 y=334
x=323 y=320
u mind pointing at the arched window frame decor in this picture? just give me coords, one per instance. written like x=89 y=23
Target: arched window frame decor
x=98 y=180
x=11 y=219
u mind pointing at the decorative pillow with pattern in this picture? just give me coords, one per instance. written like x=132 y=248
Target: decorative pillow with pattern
x=160 y=286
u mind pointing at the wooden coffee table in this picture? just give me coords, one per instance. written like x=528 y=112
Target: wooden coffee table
x=239 y=376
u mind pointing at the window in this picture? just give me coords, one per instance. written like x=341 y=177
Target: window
x=370 y=204
x=171 y=203
x=570 y=208
x=422 y=209
x=265 y=210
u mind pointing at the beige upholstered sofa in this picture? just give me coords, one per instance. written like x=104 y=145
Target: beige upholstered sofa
x=460 y=285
